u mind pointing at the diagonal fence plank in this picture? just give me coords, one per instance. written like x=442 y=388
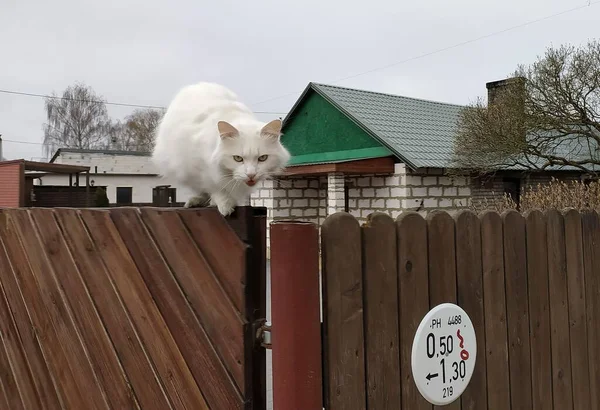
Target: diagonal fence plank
x=47 y=312
x=59 y=310
x=178 y=382
x=95 y=313
x=224 y=326
x=221 y=248
x=10 y=375
x=197 y=349
x=101 y=353
x=31 y=359
x=134 y=359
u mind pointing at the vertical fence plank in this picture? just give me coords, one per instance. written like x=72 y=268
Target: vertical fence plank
x=577 y=310
x=517 y=310
x=496 y=333
x=343 y=313
x=442 y=267
x=539 y=310
x=559 y=312
x=470 y=297
x=413 y=297
x=380 y=278
x=591 y=251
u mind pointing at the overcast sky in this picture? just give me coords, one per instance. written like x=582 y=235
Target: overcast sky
x=143 y=51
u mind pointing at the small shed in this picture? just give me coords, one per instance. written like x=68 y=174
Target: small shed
x=18 y=190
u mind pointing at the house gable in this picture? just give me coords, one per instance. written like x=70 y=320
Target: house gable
x=317 y=132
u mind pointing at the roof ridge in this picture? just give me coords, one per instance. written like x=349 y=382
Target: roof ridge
x=98 y=151
x=388 y=94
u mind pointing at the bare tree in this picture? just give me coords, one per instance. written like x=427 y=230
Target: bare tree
x=548 y=115
x=77 y=119
x=137 y=132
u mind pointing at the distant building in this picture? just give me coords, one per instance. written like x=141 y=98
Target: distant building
x=130 y=177
x=18 y=189
x=360 y=152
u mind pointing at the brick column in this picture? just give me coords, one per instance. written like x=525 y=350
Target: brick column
x=335 y=193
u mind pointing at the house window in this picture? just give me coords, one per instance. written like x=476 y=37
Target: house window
x=124 y=195
x=512 y=188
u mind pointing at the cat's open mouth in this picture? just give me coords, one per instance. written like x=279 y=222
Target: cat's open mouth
x=251 y=182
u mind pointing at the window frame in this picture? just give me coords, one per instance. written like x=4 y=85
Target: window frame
x=130 y=195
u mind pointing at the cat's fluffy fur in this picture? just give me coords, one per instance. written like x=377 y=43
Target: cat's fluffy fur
x=212 y=143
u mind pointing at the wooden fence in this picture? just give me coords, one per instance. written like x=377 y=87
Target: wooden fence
x=531 y=285
x=131 y=309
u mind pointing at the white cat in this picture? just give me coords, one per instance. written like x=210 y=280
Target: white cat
x=213 y=144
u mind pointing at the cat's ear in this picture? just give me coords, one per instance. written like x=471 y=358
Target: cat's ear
x=226 y=130
x=272 y=129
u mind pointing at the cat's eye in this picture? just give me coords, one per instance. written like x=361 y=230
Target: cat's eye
x=263 y=158
x=237 y=158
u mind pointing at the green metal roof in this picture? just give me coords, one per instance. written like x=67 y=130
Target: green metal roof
x=419 y=132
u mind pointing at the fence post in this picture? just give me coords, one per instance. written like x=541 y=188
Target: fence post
x=296 y=324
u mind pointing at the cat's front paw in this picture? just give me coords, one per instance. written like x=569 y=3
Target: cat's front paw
x=196 y=202
x=225 y=209
x=224 y=205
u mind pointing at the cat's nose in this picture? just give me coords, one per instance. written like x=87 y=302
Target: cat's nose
x=251 y=176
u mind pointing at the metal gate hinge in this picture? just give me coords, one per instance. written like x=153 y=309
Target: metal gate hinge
x=263 y=334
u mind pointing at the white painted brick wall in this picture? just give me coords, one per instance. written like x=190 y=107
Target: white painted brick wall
x=335 y=193
x=313 y=198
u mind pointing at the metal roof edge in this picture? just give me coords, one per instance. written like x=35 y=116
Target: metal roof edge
x=390 y=95
x=296 y=104
x=99 y=151
x=362 y=126
x=56 y=154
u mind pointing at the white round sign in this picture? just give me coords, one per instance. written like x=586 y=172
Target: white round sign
x=443 y=354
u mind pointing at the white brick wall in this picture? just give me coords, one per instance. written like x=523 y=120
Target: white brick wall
x=312 y=199
x=405 y=190
x=293 y=198
x=335 y=193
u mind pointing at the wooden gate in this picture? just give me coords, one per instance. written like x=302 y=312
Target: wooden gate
x=531 y=286
x=131 y=309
